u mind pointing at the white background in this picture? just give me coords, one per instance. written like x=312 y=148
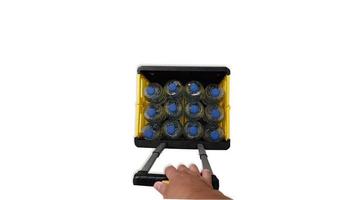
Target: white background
x=67 y=94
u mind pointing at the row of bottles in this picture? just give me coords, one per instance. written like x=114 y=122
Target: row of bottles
x=174 y=109
x=192 y=130
x=192 y=91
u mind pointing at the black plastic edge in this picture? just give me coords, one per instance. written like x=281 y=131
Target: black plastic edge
x=148 y=68
x=215 y=182
x=147 y=179
x=144 y=178
x=182 y=144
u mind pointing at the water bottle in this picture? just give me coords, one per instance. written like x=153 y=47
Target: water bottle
x=172 y=129
x=154 y=93
x=193 y=130
x=173 y=89
x=194 y=91
x=213 y=93
x=173 y=109
x=194 y=110
x=151 y=131
x=154 y=113
x=213 y=133
x=214 y=113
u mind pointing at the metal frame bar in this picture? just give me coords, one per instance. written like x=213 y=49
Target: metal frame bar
x=154 y=156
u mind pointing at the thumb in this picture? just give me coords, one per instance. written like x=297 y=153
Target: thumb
x=160 y=187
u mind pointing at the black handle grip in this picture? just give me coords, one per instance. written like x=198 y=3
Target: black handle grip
x=147 y=179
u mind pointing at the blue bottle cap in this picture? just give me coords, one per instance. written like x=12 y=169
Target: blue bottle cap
x=150 y=90
x=193 y=131
x=194 y=109
x=172 y=107
x=151 y=112
x=171 y=129
x=194 y=88
x=214 y=135
x=172 y=87
x=215 y=113
x=148 y=133
x=215 y=92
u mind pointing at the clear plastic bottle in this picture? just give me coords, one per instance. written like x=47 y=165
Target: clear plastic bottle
x=193 y=130
x=173 y=109
x=194 y=91
x=173 y=89
x=213 y=93
x=213 y=133
x=214 y=113
x=154 y=113
x=194 y=110
x=151 y=131
x=154 y=93
x=172 y=129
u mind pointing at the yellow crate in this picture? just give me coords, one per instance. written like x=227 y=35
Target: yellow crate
x=142 y=83
x=141 y=103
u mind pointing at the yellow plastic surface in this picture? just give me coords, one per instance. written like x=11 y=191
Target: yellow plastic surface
x=142 y=83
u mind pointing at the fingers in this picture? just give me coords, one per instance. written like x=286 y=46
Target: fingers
x=170 y=172
x=193 y=168
x=160 y=187
x=182 y=168
x=206 y=174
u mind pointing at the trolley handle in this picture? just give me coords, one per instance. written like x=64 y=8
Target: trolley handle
x=147 y=179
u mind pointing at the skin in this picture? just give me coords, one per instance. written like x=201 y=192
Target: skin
x=188 y=183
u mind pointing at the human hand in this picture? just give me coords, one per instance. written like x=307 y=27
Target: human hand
x=188 y=183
